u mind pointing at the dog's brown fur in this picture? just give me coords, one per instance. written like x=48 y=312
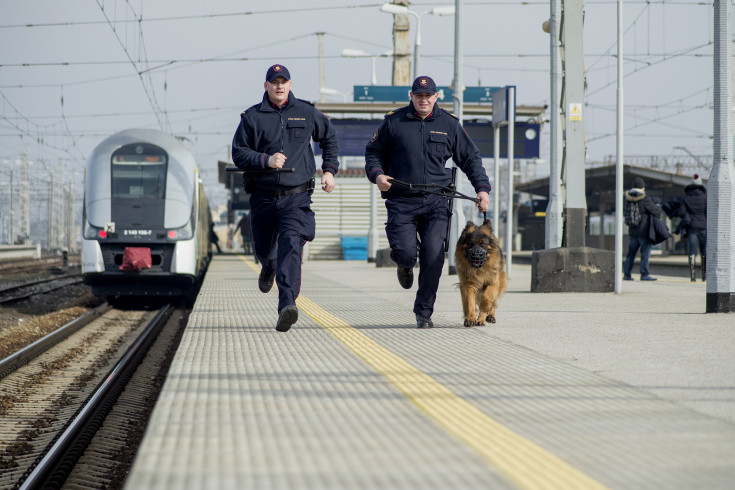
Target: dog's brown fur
x=481 y=286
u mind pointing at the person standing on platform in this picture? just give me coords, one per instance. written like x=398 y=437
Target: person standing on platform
x=638 y=210
x=246 y=233
x=692 y=212
x=275 y=134
x=413 y=145
x=213 y=238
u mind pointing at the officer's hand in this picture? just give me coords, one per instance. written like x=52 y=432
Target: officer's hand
x=276 y=160
x=328 y=182
x=382 y=182
x=484 y=198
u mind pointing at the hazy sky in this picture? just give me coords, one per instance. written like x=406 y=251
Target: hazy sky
x=72 y=78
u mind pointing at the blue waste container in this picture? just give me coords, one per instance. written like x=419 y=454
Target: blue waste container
x=354 y=247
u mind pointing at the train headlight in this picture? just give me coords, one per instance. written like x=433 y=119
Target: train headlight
x=183 y=233
x=93 y=232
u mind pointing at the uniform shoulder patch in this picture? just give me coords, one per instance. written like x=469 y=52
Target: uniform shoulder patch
x=249 y=109
x=306 y=101
x=451 y=114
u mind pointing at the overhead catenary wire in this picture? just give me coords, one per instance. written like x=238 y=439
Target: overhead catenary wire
x=149 y=92
x=488 y=3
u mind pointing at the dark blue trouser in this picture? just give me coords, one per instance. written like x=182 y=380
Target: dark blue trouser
x=695 y=236
x=281 y=226
x=419 y=225
x=635 y=243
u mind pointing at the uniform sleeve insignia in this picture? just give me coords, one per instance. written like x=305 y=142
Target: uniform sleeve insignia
x=375 y=136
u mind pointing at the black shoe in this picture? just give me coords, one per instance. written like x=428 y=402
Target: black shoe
x=405 y=277
x=648 y=278
x=265 y=280
x=287 y=317
x=628 y=278
x=423 y=322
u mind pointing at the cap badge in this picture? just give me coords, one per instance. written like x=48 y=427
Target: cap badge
x=277 y=68
x=423 y=82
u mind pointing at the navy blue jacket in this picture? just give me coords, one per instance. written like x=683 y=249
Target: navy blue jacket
x=696 y=206
x=415 y=151
x=266 y=129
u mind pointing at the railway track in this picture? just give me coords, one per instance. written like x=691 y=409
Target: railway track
x=56 y=393
x=11 y=266
x=27 y=289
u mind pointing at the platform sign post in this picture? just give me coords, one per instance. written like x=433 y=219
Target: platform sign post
x=504 y=113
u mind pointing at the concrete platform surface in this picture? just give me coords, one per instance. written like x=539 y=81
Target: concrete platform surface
x=566 y=390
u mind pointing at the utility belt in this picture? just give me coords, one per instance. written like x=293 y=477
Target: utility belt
x=251 y=187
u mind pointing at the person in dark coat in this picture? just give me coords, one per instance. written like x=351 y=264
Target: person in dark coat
x=412 y=145
x=214 y=238
x=276 y=133
x=692 y=211
x=639 y=234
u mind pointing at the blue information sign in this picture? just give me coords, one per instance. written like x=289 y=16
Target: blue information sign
x=354 y=134
x=395 y=93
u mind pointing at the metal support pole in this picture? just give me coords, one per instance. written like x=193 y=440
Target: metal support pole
x=401 y=47
x=554 y=210
x=373 y=231
x=496 y=180
x=417 y=48
x=457 y=95
x=619 y=164
x=509 y=212
x=320 y=41
x=720 y=206
x=574 y=149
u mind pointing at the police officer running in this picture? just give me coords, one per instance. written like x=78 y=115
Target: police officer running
x=412 y=145
x=275 y=134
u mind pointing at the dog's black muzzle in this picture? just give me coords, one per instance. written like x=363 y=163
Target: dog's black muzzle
x=476 y=256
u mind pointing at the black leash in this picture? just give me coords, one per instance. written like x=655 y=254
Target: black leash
x=258 y=172
x=448 y=192
x=444 y=191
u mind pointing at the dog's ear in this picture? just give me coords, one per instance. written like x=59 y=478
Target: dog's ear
x=469 y=227
x=487 y=228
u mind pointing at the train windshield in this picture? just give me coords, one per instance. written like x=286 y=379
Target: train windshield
x=139 y=171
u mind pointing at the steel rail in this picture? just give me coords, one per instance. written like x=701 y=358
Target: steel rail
x=52 y=470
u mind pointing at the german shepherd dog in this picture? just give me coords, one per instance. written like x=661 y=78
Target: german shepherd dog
x=481 y=270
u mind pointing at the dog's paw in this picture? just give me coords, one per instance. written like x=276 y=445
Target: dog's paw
x=469 y=323
x=491 y=318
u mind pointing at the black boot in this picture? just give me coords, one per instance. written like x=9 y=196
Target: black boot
x=704 y=267
x=691 y=268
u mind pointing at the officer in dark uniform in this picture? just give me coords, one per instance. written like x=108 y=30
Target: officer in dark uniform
x=412 y=145
x=275 y=134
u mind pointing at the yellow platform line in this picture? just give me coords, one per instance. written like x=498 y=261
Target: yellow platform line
x=523 y=462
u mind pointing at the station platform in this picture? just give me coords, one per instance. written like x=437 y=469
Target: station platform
x=567 y=390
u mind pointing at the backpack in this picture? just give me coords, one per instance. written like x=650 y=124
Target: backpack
x=631 y=213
